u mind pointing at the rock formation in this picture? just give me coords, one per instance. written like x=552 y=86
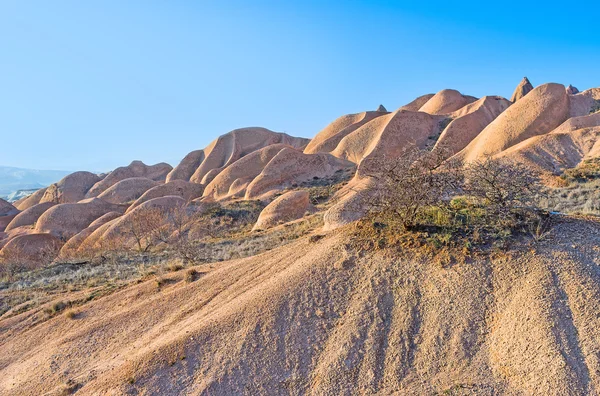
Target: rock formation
x=328 y=139
x=66 y=220
x=71 y=247
x=539 y=112
x=445 y=102
x=522 y=89
x=72 y=188
x=389 y=134
x=382 y=109
x=571 y=90
x=179 y=188
x=289 y=167
x=416 y=104
x=290 y=206
x=469 y=121
x=31 y=248
x=127 y=190
x=31 y=200
x=234 y=180
x=6 y=209
x=202 y=166
x=156 y=172
x=29 y=216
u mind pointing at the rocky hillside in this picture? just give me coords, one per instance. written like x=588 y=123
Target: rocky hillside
x=314 y=314
x=320 y=318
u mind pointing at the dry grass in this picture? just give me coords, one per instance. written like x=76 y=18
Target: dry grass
x=40 y=285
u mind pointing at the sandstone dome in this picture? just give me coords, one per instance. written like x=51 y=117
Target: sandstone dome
x=225 y=150
x=446 y=101
x=521 y=90
x=29 y=216
x=554 y=152
x=387 y=135
x=156 y=172
x=417 y=103
x=186 y=190
x=66 y=220
x=234 y=179
x=33 y=248
x=574 y=123
x=469 y=121
x=7 y=209
x=290 y=167
x=537 y=113
x=31 y=200
x=71 y=188
x=70 y=248
x=328 y=139
x=585 y=102
x=116 y=231
x=289 y=206
x=127 y=190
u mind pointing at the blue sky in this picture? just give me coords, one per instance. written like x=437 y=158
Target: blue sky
x=91 y=85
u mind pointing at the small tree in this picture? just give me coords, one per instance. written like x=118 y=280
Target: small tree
x=147 y=227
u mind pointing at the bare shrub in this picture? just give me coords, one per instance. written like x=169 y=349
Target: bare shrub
x=420 y=191
x=190 y=275
x=507 y=191
x=146 y=227
x=408 y=185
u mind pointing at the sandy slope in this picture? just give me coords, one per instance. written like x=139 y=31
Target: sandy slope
x=303 y=319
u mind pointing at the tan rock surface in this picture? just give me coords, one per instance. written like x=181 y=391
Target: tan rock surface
x=127 y=190
x=292 y=321
x=71 y=188
x=387 y=135
x=291 y=167
x=289 y=206
x=70 y=248
x=469 y=121
x=186 y=190
x=575 y=123
x=416 y=104
x=541 y=111
x=234 y=180
x=31 y=200
x=7 y=209
x=554 y=152
x=156 y=172
x=445 y=102
x=328 y=139
x=29 y=216
x=5 y=221
x=118 y=230
x=522 y=89
x=227 y=149
x=584 y=102
x=39 y=248
x=66 y=220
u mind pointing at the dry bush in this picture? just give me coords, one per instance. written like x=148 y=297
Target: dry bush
x=508 y=192
x=190 y=275
x=586 y=171
x=406 y=186
x=419 y=192
x=15 y=261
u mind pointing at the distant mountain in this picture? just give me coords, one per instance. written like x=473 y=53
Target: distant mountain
x=15 y=179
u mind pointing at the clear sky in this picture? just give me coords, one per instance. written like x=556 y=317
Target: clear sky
x=94 y=84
